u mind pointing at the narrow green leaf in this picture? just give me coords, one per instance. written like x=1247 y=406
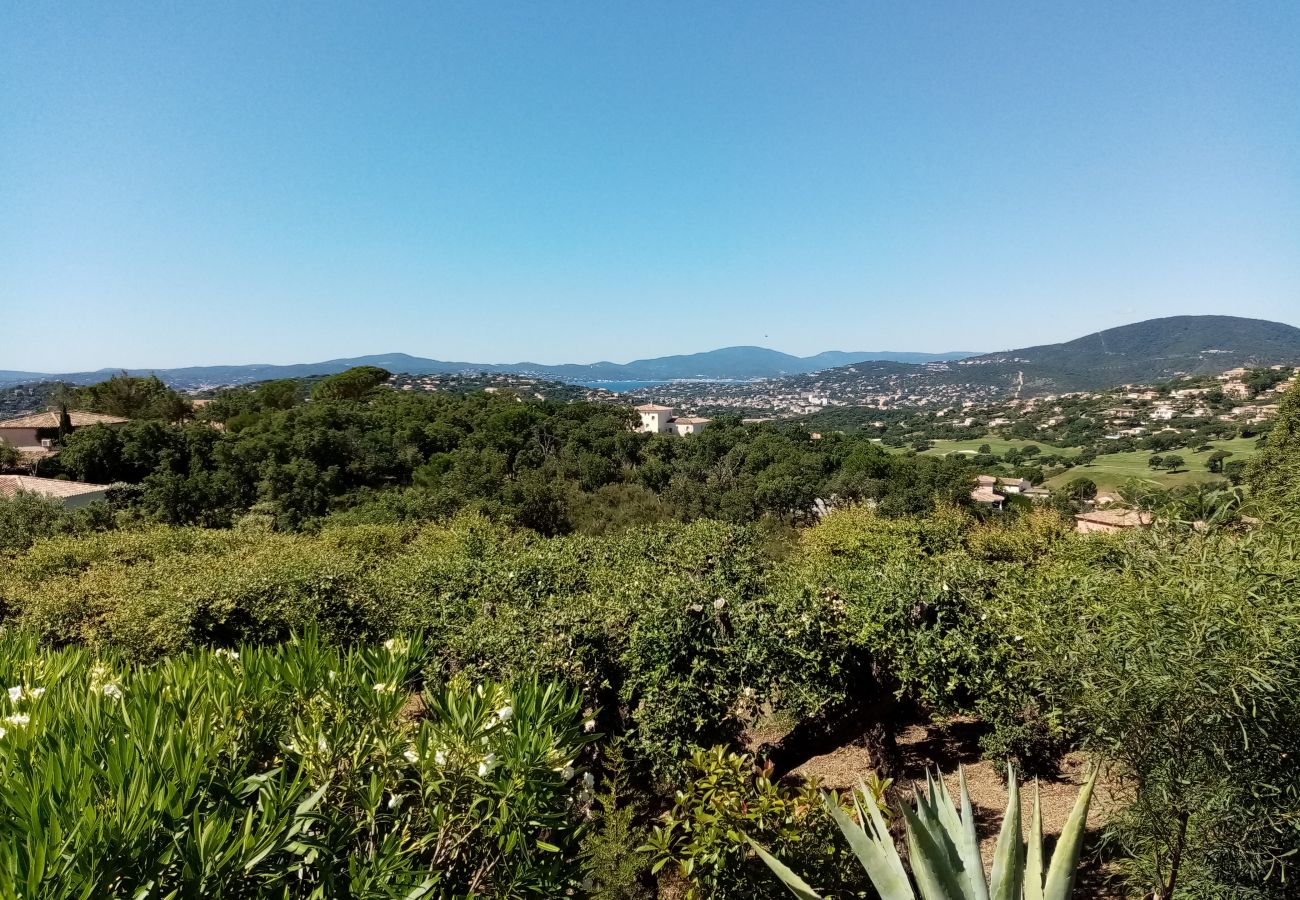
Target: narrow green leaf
x=969 y=843
x=931 y=861
x=1033 y=885
x=1007 y=869
x=796 y=885
x=890 y=883
x=1065 y=859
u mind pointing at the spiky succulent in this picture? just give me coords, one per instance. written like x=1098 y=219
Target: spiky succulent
x=943 y=848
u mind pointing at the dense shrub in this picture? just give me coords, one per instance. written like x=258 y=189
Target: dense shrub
x=290 y=771
x=727 y=798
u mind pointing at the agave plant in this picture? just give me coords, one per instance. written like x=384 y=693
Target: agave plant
x=943 y=849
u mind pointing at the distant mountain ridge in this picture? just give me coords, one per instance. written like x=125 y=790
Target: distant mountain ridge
x=727 y=363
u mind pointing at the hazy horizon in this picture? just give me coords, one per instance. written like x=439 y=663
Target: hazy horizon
x=244 y=184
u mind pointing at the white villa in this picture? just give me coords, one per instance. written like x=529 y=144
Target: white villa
x=657 y=419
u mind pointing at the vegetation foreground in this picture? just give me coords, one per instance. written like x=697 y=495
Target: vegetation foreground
x=469 y=708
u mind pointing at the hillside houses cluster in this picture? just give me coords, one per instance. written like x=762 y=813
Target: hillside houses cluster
x=852 y=386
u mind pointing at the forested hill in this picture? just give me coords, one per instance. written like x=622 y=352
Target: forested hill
x=1156 y=349
x=1142 y=353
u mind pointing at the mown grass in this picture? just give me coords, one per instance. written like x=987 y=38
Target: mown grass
x=1112 y=469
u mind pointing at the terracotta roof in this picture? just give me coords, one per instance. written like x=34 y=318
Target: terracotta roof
x=50 y=419
x=1118 y=518
x=50 y=487
x=653 y=407
x=691 y=420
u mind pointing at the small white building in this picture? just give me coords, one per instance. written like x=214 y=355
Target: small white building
x=685 y=425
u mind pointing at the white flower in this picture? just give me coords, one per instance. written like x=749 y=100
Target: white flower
x=411 y=756
x=567 y=773
x=589 y=726
x=321 y=745
x=388 y=644
x=3 y=732
x=383 y=688
x=222 y=651
x=505 y=713
x=395 y=802
x=18 y=719
x=487 y=765
x=15 y=694
x=719 y=603
x=35 y=693
x=332 y=673
x=440 y=758
x=112 y=690
x=588 y=780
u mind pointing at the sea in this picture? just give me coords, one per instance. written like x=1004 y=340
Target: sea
x=620 y=387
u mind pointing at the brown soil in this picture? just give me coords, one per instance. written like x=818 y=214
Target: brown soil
x=947 y=745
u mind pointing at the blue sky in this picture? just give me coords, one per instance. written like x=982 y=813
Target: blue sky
x=226 y=183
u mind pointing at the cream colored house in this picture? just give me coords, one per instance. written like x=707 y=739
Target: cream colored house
x=685 y=425
x=40 y=431
x=657 y=419
x=72 y=494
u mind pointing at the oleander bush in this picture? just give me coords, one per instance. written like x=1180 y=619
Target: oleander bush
x=292 y=770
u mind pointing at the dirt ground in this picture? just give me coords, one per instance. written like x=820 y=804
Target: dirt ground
x=945 y=746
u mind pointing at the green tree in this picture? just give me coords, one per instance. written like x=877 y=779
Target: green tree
x=1173 y=462
x=1156 y=461
x=133 y=397
x=1273 y=475
x=1214 y=462
x=1179 y=661
x=1080 y=489
x=354 y=384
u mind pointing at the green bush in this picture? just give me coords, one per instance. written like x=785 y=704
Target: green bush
x=289 y=771
x=729 y=798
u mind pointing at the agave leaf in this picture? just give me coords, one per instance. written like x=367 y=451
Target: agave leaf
x=880 y=834
x=936 y=815
x=890 y=882
x=1034 y=862
x=969 y=843
x=797 y=885
x=1065 y=859
x=1007 y=870
x=932 y=865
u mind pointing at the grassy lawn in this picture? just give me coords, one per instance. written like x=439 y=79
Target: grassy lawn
x=999 y=446
x=1113 y=469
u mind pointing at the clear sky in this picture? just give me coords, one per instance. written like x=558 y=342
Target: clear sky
x=195 y=183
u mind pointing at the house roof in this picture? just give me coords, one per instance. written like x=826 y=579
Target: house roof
x=653 y=407
x=50 y=419
x=985 y=495
x=49 y=487
x=1117 y=518
x=690 y=420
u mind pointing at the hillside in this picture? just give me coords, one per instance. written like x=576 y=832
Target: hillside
x=1145 y=352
